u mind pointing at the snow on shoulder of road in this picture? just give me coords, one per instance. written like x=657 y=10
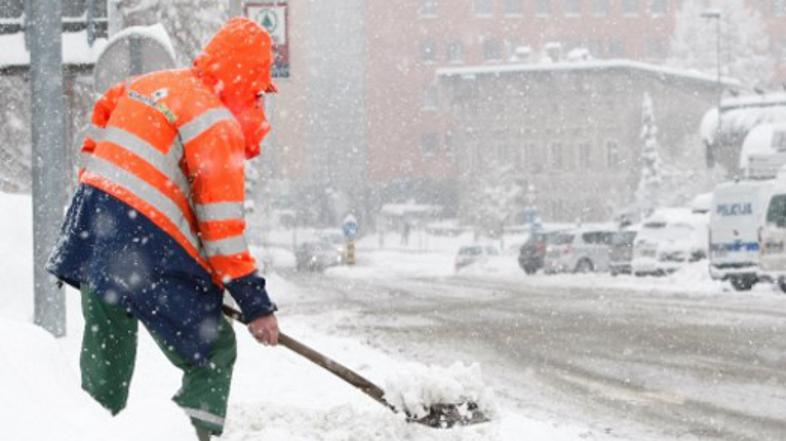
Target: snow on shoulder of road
x=276 y=394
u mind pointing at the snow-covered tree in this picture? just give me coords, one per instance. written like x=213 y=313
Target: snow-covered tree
x=744 y=43
x=648 y=193
x=495 y=198
x=15 y=163
x=189 y=22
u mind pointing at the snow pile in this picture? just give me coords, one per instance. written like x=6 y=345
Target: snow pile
x=39 y=386
x=415 y=387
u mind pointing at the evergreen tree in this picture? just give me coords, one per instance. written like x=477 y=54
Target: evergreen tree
x=744 y=44
x=648 y=193
x=495 y=198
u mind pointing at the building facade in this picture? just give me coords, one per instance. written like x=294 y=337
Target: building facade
x=571 y=130
x=407 y=133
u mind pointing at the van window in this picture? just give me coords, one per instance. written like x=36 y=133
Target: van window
x=623 y=238
x=561 y=239
x=471 y=251
x=776 y=213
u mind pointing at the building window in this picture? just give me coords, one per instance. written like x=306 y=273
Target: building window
x=523 y=156
x=659 y=7
x=571 y=8
x=483 y=7
x=514 y=7
x=612 y=154
x=74 y=8
x=616 y=48
x=542 y=7
x=657 y=48
x=779 y=8
x=779 y=141
x=600 y=7
x=428 y=51
x=455 y=52
x=534 y=157
x=12 y=8
x=556 y=159
x=449 y=140
x=492 y=50
x=630 y=7
x=427 y=8
x=429 y=143
x=430 y=98
x=585 y=156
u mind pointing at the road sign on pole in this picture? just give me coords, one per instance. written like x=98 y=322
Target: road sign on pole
x=274 y=16
x=49 y=155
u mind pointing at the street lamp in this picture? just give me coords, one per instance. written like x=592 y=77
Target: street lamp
x=715 y=14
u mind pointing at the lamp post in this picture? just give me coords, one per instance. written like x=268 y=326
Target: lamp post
x=715 y=14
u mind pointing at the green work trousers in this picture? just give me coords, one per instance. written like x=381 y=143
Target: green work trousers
x=109 y=353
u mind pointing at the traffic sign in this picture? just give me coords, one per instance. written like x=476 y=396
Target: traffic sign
x=350 y=227
x=273 y=16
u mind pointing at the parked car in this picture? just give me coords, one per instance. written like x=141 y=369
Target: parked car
x=533 y=251
x=667 y=240
x=621 y=251
x=580 y=251
x=471 y=254
x=317 y=256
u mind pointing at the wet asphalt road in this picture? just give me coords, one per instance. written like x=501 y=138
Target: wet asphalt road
x=628 y=364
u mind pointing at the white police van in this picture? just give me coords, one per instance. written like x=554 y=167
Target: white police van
x=739 y=209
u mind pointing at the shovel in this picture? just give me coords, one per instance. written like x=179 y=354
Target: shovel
x=440 y=415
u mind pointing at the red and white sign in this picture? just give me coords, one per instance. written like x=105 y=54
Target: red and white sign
x=274 y=16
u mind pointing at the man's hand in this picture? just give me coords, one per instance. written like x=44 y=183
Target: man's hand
x=265 y=330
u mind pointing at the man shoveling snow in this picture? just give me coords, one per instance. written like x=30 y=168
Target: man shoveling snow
x=155 y=230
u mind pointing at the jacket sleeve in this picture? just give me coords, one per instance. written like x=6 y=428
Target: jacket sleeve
x=101 y=112
x=215 y=162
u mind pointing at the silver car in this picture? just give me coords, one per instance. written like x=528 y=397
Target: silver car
x=579 y=251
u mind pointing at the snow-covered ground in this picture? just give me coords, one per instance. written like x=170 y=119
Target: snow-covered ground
x=276 y=395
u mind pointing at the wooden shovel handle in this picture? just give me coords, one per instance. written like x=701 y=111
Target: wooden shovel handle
x=334 y=367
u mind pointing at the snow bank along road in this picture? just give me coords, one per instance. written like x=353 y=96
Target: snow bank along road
x=635 y=364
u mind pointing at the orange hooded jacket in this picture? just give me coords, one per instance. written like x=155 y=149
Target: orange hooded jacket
x=172 y=145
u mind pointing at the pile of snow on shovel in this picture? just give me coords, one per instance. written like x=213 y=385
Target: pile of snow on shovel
x=416 y=387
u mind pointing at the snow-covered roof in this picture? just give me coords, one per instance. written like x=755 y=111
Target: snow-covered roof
x=409 y=208
x=76 y=51
x=701 y=203
x=472 y=71
x=740 y=115
x=763 y=149
x=154 y=32
x=675 y=215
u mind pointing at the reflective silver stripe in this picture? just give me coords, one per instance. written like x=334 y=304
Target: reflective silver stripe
x=145 y=191
x=204 y=415
x=219 y=211
x=225 y=247
x=149 y=153
x=195 y=127
x=84 y=158
x=175 y=153
x=94 y=132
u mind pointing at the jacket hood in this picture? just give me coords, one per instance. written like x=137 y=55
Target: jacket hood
x=236 y=64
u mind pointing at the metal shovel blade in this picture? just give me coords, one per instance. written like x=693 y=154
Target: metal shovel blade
x=445 y=416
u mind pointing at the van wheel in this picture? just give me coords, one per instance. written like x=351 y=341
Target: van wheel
x=584 y=266
x=743 y=283
x=530 y=269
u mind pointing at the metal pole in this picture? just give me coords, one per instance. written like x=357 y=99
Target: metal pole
x=48 y=155
x=114 y=17
x=720 y=82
